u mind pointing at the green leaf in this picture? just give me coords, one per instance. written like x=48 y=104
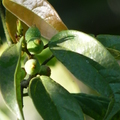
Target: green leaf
x=115 y=101
x=89 y=61
x=18 y=76
x=8 y=63
x=67 y=44
x=93 y=106
x=112 y=43
x=84 y=44
x=41 y=14
x=52 y=101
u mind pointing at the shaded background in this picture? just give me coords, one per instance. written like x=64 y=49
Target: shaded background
x=93 y=16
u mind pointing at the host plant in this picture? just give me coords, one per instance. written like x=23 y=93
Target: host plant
x=92 y=60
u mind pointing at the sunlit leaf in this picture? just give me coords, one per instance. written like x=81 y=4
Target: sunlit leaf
x=86 y=45
x=101 y=71
x=39 y=13
x=52 y=101
x=71 y=47
x=8 y=63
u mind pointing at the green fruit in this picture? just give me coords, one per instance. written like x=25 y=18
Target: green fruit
x=35 y=46
x=32 y=32
x=45 y=70
x=32 y=66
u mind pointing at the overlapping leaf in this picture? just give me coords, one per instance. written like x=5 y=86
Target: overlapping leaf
x=93 y=106
x=39 y=13
x=112 y=43
x=8 y=64
x=89 y=61
x=52 y=101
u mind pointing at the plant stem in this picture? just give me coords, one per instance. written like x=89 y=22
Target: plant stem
x=45 y=46
x=47 y=60
x=2 y=15
x=25 y=95
x=24 y=84
x=1 y=41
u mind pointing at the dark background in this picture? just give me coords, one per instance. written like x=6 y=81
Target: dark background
x=93 y=16
x=90 y=16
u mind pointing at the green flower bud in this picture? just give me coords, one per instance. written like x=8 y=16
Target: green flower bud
x=32 y=32
x=45 y=70
x=32 y=66
x=35 y=46
x=19 y=28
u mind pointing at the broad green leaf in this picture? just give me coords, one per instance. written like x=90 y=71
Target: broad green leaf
x=39 y=13
x=8 y=63
x=81 y=67
x=112 y=43
x=67 y=44
x=52 y=101
x=93 y=106
x=113 y=78
x=84 y=44
x=73 y=49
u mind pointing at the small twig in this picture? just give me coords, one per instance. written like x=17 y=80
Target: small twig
x=22 y=95
x=45 y=46
x=1 y=41
x=28 y=53
x=47 y=60
x=24 y=84
x=25 y=94
x=4 y=24
x=24 y=48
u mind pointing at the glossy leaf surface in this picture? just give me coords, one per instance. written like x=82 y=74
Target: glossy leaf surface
x=112 y=43
x=8 y=63
x=52 y=101
x=89 y=61
x=93 y=106
x=41 y=14
x=82 y=43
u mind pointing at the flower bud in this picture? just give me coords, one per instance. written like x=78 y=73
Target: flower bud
x=32 y=66
x=32 y=32
x=35 y=46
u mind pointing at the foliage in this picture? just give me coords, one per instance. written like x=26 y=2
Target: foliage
x=92 y=60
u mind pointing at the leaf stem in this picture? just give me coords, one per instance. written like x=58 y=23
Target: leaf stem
x=47 y=60
x=2 y=15
x=25 y=95
x=24 y=84
x=45 y=46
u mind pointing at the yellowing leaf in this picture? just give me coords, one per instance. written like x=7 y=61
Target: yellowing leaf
x=39 y=13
